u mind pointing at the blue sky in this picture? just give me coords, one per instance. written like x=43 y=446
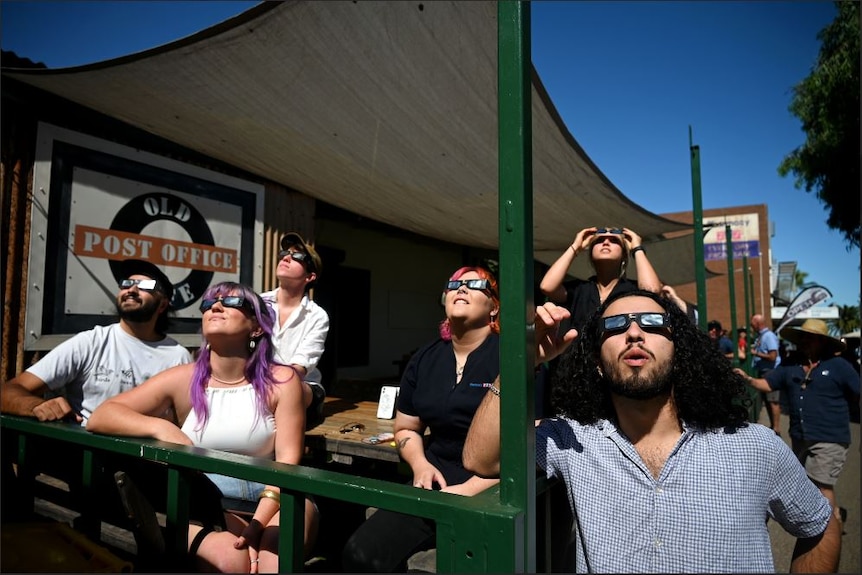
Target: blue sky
x=628 y=78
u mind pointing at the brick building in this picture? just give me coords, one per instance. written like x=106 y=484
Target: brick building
x=750 y=230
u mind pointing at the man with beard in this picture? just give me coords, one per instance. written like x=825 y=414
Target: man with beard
x=94 y=365
x=662 y=471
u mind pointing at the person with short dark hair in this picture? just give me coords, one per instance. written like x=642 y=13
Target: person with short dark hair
x=94 y=365
x=663 y=472
x=719 y=338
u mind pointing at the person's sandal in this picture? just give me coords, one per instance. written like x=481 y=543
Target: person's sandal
x=145 y=525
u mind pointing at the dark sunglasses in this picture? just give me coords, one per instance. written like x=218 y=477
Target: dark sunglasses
x=236 y=301
x=471 y=284
x=648 y=321
x=297 y=256
x=146 y=285
x=617 y=231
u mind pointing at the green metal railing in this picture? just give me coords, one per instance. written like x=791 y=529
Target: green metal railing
x=474 y=534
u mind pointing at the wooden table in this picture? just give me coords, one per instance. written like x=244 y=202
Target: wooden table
x=340 y=414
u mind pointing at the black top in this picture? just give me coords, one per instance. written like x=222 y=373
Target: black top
x=582 y=299
x=429 y=391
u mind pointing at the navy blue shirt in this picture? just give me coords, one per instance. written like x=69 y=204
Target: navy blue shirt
x=821 y=411
x=725 y=346
x=429 y=391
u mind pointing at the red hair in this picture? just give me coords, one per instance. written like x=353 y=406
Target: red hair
x=493 y=293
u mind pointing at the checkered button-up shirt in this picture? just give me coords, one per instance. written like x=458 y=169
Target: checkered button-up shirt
x=706 y=512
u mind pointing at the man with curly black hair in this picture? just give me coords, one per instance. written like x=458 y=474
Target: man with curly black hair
x=662 y=470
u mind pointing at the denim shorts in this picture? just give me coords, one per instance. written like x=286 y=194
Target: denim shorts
x=237 y=488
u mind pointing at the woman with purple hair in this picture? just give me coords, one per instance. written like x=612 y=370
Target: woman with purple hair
x=441 y=388
x=235 y=398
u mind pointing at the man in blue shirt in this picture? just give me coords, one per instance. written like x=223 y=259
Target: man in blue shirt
x=819 y=392
x=719 y=339
x=662 y=471
x=765 y=358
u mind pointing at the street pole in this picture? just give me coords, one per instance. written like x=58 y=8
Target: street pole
x=731 y=282
x=697 y=213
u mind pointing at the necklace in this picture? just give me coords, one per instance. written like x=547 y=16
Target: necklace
x=240 y=380
x=459 y=370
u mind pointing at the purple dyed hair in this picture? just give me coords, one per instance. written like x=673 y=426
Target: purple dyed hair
x=258 y=366
x=445 y=330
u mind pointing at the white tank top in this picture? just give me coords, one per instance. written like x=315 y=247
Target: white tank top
x=234 y=423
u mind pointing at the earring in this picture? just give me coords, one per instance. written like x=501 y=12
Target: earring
x=599 y=370
x=251 y=345
x=208 y=346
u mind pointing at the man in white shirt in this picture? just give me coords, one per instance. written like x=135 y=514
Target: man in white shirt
x=301 y=325
x=102 y=362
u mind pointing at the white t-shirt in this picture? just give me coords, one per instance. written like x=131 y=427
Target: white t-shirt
x=301 y=339
x=105 y=361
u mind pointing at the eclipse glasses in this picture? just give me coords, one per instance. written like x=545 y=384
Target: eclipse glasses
x=146 y=285
x=235 y=301
x=471 y=284
x=300 y=257
x=617 y=231
x=648 y=321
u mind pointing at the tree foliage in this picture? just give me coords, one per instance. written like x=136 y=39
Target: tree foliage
x=827 y=103
x=848 y=320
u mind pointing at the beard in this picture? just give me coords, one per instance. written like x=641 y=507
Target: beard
x=141 y=314
x=638 y=385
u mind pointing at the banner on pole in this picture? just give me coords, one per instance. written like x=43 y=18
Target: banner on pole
x=805 y=299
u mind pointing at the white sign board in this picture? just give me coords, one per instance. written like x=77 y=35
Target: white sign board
x=96 y=203
x=745 y=236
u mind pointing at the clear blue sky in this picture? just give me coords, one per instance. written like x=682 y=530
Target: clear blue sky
x=628 y=78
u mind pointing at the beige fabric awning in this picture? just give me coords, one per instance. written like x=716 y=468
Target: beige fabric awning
x=385 y=109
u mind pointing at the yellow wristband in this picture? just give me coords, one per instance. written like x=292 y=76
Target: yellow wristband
x=270 y=494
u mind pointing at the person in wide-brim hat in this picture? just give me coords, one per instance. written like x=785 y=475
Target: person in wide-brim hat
x=815 y=328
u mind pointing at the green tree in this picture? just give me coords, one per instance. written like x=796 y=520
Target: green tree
x=848 y=320
x=799 y=279
x=827 y=103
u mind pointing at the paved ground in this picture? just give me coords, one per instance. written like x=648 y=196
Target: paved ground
x=847 y=492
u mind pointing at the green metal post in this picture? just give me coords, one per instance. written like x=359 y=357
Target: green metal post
x=731 y=281
x=751 y=294
x=518 y=460
x=697 y=213
x=748 y=312
x=177 y=516
x=90 y=523
x=756 y=401
x=291 y=532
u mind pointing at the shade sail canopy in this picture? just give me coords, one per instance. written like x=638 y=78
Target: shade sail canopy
x=385 y=109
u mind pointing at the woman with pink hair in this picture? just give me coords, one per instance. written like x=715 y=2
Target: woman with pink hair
x=441 y=388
